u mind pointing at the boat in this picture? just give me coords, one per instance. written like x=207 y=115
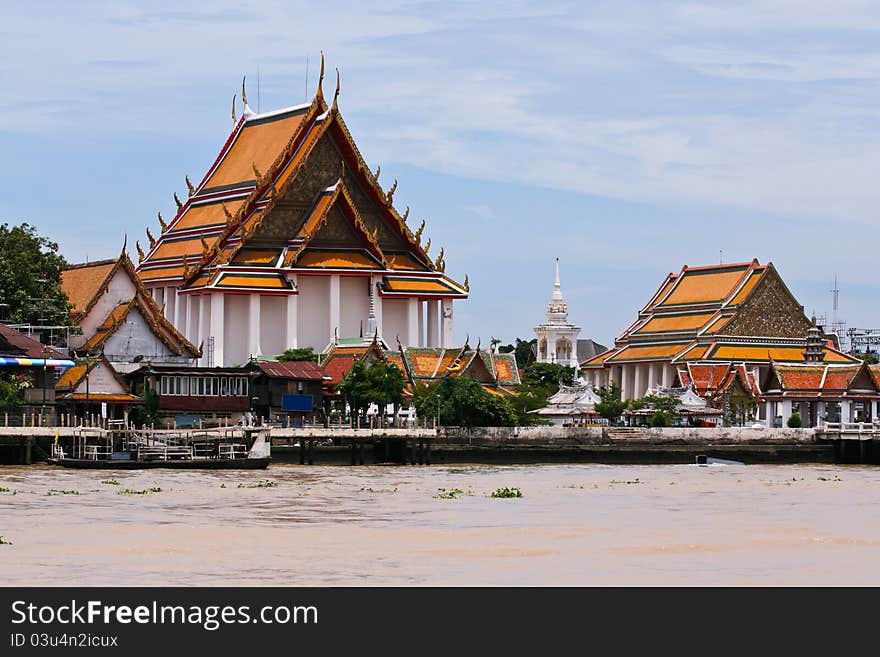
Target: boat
x=132 y=449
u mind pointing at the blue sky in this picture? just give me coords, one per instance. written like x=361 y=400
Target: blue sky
x=626 y=138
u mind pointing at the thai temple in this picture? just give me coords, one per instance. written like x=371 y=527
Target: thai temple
x=737 y=330
x=557 y=337
x=289 y=241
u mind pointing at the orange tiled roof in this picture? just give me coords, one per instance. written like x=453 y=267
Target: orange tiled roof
x=755 y=353
x=253 y=281
x=337 y=260
x=117 y=398
x=264 y=257
x=687 y=322
x=84 y=283
x=648 y=352
x=705 y=284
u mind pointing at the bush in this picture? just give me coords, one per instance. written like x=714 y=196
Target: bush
x=661 y=419
x=795 y=422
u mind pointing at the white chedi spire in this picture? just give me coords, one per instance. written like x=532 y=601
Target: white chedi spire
x=557 y=337
x=557 y=310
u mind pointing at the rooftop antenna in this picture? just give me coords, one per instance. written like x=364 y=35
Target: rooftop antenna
x=835 y=295
x=306 y=93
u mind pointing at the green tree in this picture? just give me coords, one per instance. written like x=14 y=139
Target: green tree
x=522 y=351
x=463 y=402
x=30 y=278
x=379 y=383
x=611 y=407
x=870 y=357
x=795 y=422
x=306 y=353
x=12 y=389
x=548 y=374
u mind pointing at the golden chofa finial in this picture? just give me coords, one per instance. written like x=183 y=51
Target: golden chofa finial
x=162 y=222
x=229 y=217
x=376 y=175
x=389 y=195
x=439 y=258
x=428 y=246
x=320 y=92
x=259 y=176
x=336 y=93
x=177 y=201
x=189 y=186
x=234 y=117
x=140 y=251
x=151 y=238
x=418 y=234
x=243 y=91
x=467 y=284
x=205 y=247
x=405 y=215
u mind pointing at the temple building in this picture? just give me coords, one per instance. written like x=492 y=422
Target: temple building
x=557 y=337
x=118 y=317
x=712 y=328
x=289 y=241
x=496 y=372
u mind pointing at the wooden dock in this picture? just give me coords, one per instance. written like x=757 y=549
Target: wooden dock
x=854 y=442
x=405 y=446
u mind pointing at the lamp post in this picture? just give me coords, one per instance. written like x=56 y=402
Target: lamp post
x=437 y=423
x=43 y=407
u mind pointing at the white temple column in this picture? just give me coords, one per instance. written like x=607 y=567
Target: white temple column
x=412 y=322
x=378 y=301
x=820 y=413
x=845 y=410
x=170 y=302
x=666 y=374
x=218 y=326
x=786 y=411
x=432 y=323
x=447 y=330
x=254 y=323
x=625 y=385
x=422 y=341
x=770 y=413
x=653 y=375
x=290 y=338
x=180 y=311
x=638 y=383
x=204 y=326
x=335 y=307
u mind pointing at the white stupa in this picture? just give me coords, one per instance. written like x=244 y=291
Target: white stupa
x=557 y=337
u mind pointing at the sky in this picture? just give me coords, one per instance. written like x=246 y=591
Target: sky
x=625 y=138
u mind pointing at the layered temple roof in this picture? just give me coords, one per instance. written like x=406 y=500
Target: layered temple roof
x=85 y=284
x=821 y=381
x=290 y=192
x=497 y=372
x=740 y=312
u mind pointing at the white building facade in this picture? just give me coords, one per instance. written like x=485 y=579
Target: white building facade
x=557 y=337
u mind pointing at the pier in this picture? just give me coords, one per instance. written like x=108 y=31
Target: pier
x=854 y=442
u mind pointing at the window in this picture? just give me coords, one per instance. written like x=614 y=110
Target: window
x=224 y=386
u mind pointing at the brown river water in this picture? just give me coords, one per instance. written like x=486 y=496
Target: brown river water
x=385 y=525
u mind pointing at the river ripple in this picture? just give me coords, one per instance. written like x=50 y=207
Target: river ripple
x=386 y=525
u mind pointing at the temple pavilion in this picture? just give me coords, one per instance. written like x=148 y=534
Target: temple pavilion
x=290 y=241
x=721 y=329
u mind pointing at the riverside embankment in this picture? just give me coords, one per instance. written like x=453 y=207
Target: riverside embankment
x=341 y=445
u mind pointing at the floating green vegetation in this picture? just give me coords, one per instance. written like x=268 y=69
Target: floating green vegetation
x=507 y=492
x=3 y=490
x=835 y=478
x=379 y=490
x=4 y=542
x=147 y=491
x=110 y=482
x=621 y=481
x=578 y=486
x=262 y=484
x=53 y=491
x=451 y=494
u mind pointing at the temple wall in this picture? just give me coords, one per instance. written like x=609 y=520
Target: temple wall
x=235 y=333
x=120 y=290
x=313 y=319
x=136 y=338
x=394 y=321
x=354 y=305
x=101 y=380
x=273 y=315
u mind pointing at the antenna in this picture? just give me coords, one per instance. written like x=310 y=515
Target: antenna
x=720 y=257
x=306 y=94
x=835 y=295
